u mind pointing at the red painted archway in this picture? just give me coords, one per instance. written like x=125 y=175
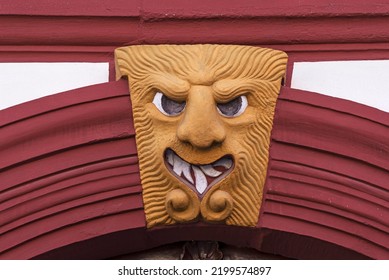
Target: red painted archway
x=70 y=184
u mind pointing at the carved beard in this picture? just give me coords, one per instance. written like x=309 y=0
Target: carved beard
x=157 y=181
x=235 y=199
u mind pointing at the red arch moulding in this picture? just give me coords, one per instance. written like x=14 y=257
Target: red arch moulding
x=70 y=186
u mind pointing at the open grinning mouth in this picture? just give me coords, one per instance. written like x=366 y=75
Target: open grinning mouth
x=198 y=177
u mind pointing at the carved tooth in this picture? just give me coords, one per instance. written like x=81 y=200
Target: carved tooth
x=201 y=180
x=210 y=171
x=179 y=165
x=169 y=157
x=187 y=174
x=225 y=162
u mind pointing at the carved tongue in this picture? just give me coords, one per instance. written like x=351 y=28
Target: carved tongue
x=199 y=176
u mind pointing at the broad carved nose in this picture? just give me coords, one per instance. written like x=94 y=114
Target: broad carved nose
x=201 y=125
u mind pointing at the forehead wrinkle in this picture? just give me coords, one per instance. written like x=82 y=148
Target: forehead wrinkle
x=171 y=85
x=228 y=89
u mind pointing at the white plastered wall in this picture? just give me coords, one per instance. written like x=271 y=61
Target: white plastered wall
x=21 y=82
x=362 y=81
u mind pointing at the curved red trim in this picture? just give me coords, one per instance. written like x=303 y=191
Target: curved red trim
x=67 y=160
x=328 y=172
x=70 y=180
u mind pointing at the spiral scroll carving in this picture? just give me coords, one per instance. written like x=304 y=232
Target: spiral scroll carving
x=181 y=206
x=217 y=206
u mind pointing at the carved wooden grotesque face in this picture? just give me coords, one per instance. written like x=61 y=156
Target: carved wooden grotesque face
x=203 y=116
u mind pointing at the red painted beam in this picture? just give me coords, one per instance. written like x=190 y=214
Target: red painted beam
x=200 y=9
x=72 y=8
x=108 y=31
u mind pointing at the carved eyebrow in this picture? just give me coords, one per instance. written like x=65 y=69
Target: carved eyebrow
x=170 y=85
x=226 y=90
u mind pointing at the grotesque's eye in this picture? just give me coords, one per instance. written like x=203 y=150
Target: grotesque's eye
x=234 y=107
x=168 y=106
